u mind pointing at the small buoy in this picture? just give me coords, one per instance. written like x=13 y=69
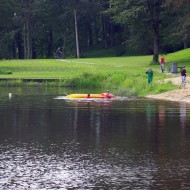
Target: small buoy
x=10 y=95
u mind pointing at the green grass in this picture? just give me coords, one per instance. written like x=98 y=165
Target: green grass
x=123 y=75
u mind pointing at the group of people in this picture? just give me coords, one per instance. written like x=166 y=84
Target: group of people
x=150 y=71
x=162 y=65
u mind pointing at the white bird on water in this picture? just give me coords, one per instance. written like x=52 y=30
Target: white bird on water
x=10 y=96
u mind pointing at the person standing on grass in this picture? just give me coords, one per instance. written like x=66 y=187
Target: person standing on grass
x=183 y=77
x=150 y=75
x=162 y=63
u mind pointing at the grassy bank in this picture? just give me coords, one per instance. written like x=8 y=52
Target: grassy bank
x=122 y=75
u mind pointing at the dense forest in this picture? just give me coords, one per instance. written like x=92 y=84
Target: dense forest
x=36 y=28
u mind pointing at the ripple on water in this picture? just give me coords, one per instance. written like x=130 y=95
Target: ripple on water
x=32 y=167
x=25 y=167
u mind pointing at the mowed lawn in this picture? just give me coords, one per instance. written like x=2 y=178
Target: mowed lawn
x=69 y=68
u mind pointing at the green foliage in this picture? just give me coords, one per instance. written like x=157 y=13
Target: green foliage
x=86 y=80
x=11 y=83
x=116 y=78
x=5 y=72
x=139 y=87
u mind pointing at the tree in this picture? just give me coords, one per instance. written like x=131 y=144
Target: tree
x=154 y=7
x=36 y=28
x=139 y=16
x=6 y=26
x=76 y=28
x=62 y=17
x=182 y=20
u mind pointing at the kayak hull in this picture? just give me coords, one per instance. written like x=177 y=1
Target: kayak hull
x=85 y=96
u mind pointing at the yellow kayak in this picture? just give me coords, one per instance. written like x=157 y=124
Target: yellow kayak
x=86 y=96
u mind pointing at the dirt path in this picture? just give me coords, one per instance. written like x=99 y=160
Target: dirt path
x=182 y=95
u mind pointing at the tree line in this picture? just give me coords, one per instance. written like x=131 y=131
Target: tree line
x=36 y=28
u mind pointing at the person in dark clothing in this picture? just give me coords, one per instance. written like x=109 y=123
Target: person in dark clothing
x=183 y=77
x=58 y=53
x=150 y=75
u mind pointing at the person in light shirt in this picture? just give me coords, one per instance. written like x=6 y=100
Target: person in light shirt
x=183 y=77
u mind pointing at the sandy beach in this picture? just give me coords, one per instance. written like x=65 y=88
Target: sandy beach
x=179 y=95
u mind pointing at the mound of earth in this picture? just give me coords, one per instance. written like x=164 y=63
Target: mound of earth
x=182 y=95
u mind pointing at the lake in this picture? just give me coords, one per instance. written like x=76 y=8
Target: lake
x=48 y=142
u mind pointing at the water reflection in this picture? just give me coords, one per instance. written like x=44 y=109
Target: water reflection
x=182 y=114
x=161 y=115
x=48 y=143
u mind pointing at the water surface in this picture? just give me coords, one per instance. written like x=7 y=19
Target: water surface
x=48 y=143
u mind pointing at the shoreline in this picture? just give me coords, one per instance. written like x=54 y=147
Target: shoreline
x=178 y=95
